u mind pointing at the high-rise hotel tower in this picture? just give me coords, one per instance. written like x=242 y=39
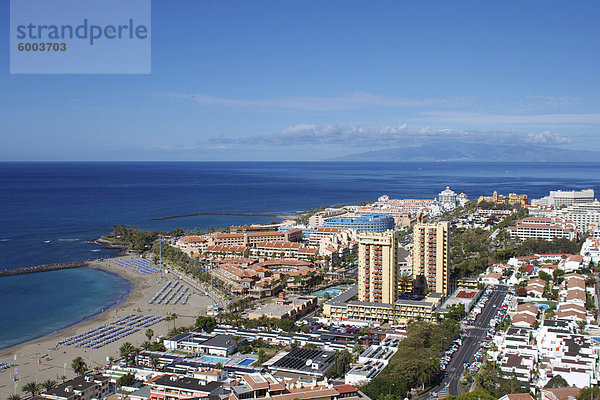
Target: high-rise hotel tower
x=377 y=266
x=430 y=258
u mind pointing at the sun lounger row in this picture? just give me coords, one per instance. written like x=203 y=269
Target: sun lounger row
x=141 y=266
x=159 y=293
x=180 y=296
x=111 y=332
x=185 y=299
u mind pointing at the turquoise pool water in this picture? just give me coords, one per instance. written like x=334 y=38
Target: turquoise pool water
x=214 y=359
x=333 y=291
x=542 y=306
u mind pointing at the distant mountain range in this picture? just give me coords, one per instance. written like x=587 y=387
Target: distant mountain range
x=475 y=152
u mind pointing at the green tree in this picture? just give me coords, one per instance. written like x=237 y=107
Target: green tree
x=457 y=312
x=589 y=393
x=79 y=366
x=49 y=384
x=261 y=356
x=154 y=362
x=126 y=350
x=32 y=388
x=173 y=318
x=556 y=381
x=545 y=276
x=149 y=333
x=205 y=323
x=126 y=380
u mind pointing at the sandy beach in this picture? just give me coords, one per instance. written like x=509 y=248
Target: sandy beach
x=52 y=365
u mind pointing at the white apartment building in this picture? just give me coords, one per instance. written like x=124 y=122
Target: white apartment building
x=558 y=198
x=590 y=251
x=586 y=216
x=543 y=228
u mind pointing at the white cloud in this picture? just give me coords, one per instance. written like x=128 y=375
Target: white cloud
x=385 y=135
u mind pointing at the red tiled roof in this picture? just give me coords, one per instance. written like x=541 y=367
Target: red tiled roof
x=344 y=389
x=564 y=393
x=192 y=239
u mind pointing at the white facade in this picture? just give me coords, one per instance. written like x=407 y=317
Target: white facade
x=543 y=228
x=447 y=195
x=558 y=198
x=590 y=251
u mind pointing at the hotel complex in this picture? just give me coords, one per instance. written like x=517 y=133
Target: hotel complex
x=380 y=259
x=364 y=223
x=377 y=267
x=559 y=198
x=430 y=258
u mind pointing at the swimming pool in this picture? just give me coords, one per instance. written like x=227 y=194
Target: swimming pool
x=214 y=359
x=333 y=291
x=246 y=361
x=542 y=306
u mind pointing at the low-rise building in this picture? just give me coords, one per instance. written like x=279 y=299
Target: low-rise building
x=493 y=278
x=512 y=198
x=81 y=388
x=563 y=393
x=535 y=287
x=525 y=315
x=284 y=250
x=303 y=363
x=543 y=228
x=202 y=343
x=517 y=365
x=343 y=308
x=290 y=307
x=174 y=387
x=590 y=250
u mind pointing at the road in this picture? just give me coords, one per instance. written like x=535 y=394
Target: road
x=597 y=299
x=471 y=343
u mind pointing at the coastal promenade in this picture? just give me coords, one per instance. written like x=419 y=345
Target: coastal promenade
x=44 y=268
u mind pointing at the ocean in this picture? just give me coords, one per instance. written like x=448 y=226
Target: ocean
x=48 y=211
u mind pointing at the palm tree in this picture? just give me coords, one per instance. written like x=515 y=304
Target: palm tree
x=168 y=318
x=154 y=361
x=136 y=352
x=173 y=317
x=149 y=334
x=79 y=366
x=49 y=384
x=125 y=350
x=32 y=388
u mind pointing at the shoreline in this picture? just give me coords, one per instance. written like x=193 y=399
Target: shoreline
x=32 y=366
x=119 y=300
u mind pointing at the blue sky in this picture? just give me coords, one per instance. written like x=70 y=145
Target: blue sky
x=313 y=80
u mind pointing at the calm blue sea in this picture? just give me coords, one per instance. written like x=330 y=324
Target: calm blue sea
x=49 y=210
